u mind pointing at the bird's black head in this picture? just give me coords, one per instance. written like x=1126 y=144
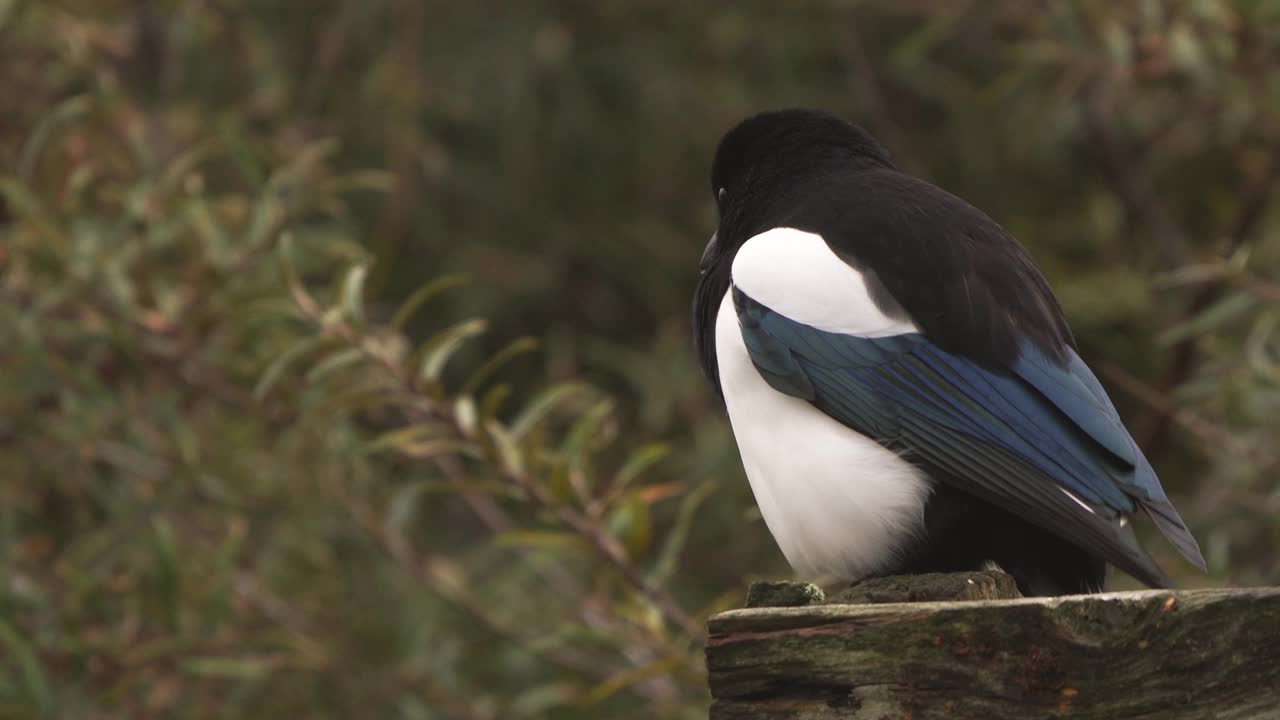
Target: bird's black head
x=759 y=169
x=775 y=146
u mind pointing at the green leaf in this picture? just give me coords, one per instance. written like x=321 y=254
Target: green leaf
x=432 y=447
x=168 y=579
x=639 y=461
x=348 y=401
x=494 y=397
x=236 y=668
x=1259 y=347
x=1214 y=317
x=544 y=403
x=407 y=437
x=284 y=255
x=401 y=509
x=35 y=684
x=632 y=523
x=68 y=110
x=351 y=295
x=422 y=295
x=588 y=427
x=493 y=364
x=466 y=415
x=375 y=180
x=437 y=351
x=282 y=361
x=678 y=535
x=333 y=363
x=508 y=450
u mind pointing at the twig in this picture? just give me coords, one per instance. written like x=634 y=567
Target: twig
x=1152 y=429
x=873 y=98
x=604 y=544
x=1147 y=216
x=1213 y=438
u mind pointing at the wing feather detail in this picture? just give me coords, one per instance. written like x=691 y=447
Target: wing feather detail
x=1016 y=437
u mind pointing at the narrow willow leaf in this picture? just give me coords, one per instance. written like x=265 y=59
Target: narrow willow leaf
x=437 y=350
x=495 y=363
x=422 y=295
x=68 y=110
x=23 y=203
x=441 y=446
x=181 y=167
x=678 y=535
x=1196 y=274
x=375 y=180
x=284 y=255
x=466 y=415
x=407 y=436
x=268 y=214
x=561 y=485
x=632 y=523
x=333 y=363
x=587 y=428
x=238 y=668
x=351 y=296
x=168 y=579
x=213 y=238
x=400 y=511
x=1215 y=316
x=544 y=403
x=349 y=401
x=494 y=397
x=657 y=492
x=1258 y=347
x=638 y=462
x=508 y=450
x=35 y=684
x=282 y=361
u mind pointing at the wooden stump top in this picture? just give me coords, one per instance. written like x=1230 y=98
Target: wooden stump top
x=1191 y=654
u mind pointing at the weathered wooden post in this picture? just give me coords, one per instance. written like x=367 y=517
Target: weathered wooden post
x=1171 y=655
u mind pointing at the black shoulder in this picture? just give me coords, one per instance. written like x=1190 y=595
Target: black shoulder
x=966 y=282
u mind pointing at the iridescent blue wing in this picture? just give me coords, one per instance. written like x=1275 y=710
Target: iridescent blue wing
x=1038 y=438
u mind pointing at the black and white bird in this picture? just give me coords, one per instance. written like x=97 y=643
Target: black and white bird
x=901 y=381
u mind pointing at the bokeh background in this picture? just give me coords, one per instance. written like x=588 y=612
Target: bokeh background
x=346 y=368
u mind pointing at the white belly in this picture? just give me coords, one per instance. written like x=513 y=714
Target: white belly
x=839 y=505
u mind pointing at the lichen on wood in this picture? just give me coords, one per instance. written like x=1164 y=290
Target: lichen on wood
x=1150 y=654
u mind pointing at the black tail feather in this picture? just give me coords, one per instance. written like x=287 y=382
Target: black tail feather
x=1172 y=527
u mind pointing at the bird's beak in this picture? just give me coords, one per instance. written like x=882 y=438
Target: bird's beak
x=709 y=254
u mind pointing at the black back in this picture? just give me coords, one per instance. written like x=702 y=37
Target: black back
x=928 y=255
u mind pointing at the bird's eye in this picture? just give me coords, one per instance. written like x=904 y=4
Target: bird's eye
x=720 y=197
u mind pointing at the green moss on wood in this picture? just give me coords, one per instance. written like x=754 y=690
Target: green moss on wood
x=930 y=587
x=783 y=593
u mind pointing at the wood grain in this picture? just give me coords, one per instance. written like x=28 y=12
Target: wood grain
x=1190 y=654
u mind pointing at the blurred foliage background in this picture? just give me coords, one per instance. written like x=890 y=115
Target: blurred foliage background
x=346 y=363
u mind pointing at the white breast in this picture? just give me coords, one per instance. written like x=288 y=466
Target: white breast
x=839 y=505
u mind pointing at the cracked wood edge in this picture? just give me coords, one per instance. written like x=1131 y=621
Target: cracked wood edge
x=1169 y=654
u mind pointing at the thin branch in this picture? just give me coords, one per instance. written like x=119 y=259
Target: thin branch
x=1121 y=166
x=1213 y=438
x=1152 y=429
x=871 y=92
x=605 y=545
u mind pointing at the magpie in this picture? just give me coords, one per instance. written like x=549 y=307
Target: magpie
x=902 y=384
